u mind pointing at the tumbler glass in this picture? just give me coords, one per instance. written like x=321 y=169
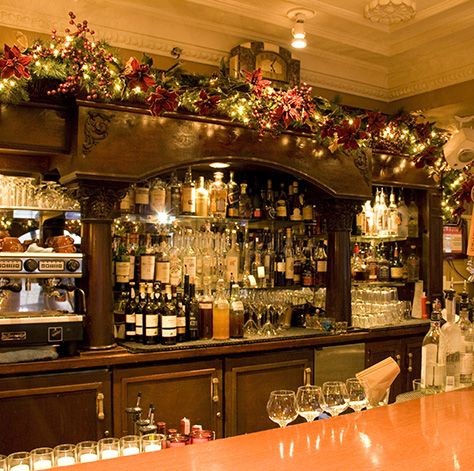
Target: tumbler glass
x=41 y=458
x=108 y=448
x=19 y=461
x=3 y=463
x=64 y=455
x=130 y=445
x=86 y=451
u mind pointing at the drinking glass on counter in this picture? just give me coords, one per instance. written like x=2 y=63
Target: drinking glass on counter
x=281 y=407
x=335 y=397
x=356 y=392
x=130 y=445
x=64 y=455
x=41 y=458
x=86 y=451
x=308 y=402
x=19 y=461
x=3 y=463
x=108 y=448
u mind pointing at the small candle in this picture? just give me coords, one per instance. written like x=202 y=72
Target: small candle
x=131 y=450
x=66 y=460
x=42 y=464
x=106 y=454
x=152 y=447
x=20 y=467
x=88 y=457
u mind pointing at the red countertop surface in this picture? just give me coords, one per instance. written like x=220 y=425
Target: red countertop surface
x=432 y=433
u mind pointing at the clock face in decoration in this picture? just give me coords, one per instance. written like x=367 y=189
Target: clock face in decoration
x=273 y=66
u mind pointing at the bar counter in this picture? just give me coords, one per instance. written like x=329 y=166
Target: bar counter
x=432 y=433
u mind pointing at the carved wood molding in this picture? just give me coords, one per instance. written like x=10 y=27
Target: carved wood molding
x=99 y=202
x=339 y=213
x=96 y=129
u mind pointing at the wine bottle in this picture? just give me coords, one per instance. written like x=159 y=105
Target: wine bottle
x=192 y=314
x=130 y=313
x=269 y=201
x=140 y=303
x=180 y=317
x=150 y=318
x=280 y=267
x=168 y=321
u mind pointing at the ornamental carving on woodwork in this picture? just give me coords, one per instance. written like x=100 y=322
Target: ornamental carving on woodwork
x=96 y=129
x=99 y=202
x=362 y=163
x=339 y=213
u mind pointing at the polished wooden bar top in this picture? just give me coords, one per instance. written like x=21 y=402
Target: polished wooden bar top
x=432 y=433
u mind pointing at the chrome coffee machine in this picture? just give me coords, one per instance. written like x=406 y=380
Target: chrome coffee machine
x=40 y=303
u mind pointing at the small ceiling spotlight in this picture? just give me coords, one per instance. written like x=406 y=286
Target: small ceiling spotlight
x=299 y=15
x=219 y=165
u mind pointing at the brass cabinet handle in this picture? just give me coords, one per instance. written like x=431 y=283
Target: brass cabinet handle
x=99 y=402
x=215 y=389
x=398 y=358
x=410 y=362
x=307 y=376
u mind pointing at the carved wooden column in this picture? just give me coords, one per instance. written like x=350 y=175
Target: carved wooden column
x=97 y=206
x=339 y=214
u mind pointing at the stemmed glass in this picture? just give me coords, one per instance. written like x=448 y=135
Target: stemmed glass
x=308 y=402
x=356 y=392
x=335 y=397
x=281 y=407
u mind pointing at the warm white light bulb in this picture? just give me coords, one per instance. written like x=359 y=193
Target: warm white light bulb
x=299 y=35
x=298 y=43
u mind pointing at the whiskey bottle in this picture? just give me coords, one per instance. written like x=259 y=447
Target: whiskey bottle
x=281 y=204
x=218 y=196
x=296 y=204
x=162 y=262
x=147 y=260
x=142 y=199
x=202 y=199
x=188 y=194
x=158 y=196
x=402 y=217
x=245 y=203
x=189 y=257
x=280 y=268
x=289 y=259
x=173 y=195
x=413 y=265
x=205 y=312
x=220 y=313
x=467 y=332
x=396 y=267
x=269 y=201
x=232 y=197
x=233 y=258
x=236 y=314
x=321 y=263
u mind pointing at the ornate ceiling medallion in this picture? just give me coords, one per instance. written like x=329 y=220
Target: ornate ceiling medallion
x=390 y=11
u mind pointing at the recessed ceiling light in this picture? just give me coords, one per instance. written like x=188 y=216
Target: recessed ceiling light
x=219 y=165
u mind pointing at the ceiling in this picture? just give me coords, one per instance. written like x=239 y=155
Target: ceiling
x=346 y=52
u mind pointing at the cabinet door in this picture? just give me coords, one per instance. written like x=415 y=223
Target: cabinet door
x=412 y=361
x=378 y=351
x=47 y=410
x=191 y=389
x=250 y=379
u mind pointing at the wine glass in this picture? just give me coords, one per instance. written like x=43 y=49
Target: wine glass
x=281 y=407
x=335 y=397
x=356 y=392
x=308 y=402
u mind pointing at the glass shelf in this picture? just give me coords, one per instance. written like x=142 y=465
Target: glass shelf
x=378 y=239
x=378 y=283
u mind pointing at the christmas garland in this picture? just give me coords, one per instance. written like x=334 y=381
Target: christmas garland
x=75 y=64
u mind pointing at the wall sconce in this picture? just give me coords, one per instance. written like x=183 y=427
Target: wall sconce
x=299 y=15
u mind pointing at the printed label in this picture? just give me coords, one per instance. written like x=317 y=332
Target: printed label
x=168 y=322
x=163 y=272
x=122 y=271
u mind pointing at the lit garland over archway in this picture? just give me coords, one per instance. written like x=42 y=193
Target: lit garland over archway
x=76 y=64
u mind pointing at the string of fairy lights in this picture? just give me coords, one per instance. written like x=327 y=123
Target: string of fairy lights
x=76 y=64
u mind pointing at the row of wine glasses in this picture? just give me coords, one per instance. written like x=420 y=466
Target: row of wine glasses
x=334 y=397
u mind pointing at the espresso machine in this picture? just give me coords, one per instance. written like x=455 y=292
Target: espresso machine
x=40 y=303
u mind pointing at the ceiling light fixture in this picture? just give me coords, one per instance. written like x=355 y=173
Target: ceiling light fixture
x=390 y=11
x=299 y=15
x=219 y=165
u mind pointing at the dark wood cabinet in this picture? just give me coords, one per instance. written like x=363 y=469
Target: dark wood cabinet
x=50 y=409
x=191 y=389
x=249 y=379
x=406 y=352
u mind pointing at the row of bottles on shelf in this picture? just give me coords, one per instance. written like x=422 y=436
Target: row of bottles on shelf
x=260 y=259
x=218 y=199
x=384 y=263
x=448 y=347
x=392 y=218
x=166 y=314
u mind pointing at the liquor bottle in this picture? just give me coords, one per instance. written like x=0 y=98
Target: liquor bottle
x=202 y=199
x=127 y=203
x=451 y=343
x=168 y=320
x=321 y=264
x=467 y=332
x=403 y=217
x=188 y=194
x=142 y=199
x=358 y=266
x=132 y=246
x=369 y=220
x=218 y=196
x=192 y=314
x=233 y=258
x=393 y=219
x=308 y=276
x=220 y=313
x=173 y=195
x=383 y=265
x=433 y=363
x=189 y=257
x=359 y=223
x=269 y=201
x=296 y=204
x=281 y=204
x=158 y=196
x=396 y=266
x=122 y=264
x=412 y=219
x=147 y=260
x=130 y=314
x=236 y=314
x=257 y=204
x=308 y=210
x=280 y=267
x=140 y=304
x=205 y=312
x=269 y=260
x=232 y=197
x=413 y=265
x=245 y=203
x=298 y=265
x=372 y=263
x=180 y=316
x=289 y=259
x=176 y=263
x=258 y=267
x=162 y=262
x=150 y=318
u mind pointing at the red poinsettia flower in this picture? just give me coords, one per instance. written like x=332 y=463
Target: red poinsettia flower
x=207 y=103
x=14 y=63
x=255 y=79
x=295 y=106
x=427 y=157
x=137 y=75
x=375 y=122
x=162 y=100
x=328 y=129
x=423 y=130
x=349 y=133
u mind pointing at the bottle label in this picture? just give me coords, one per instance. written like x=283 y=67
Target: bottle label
x=129 y=332
x=151 y=321
x=232 y=267
x=260 y=272
x=168 y=322
x=281 y=209
x=296 y=215
x=158 y=200
x=122 y=271
x=322 y=266
x=168 y=332
x=201 y=205
x=175 y=273
x=125 y=202
x=237 y=306
x=396 y=272
x=151 y=331
x=308 y=213
x=205 y=305
x=289 y=268
x=180 y=322
x=139 y=325
x=147 y=267
x=130 y=318
x=131 y=274
x=190 y=264
x=280 y=267
x=188 y=200
x=467 y=363
x=432 y=373
x=142 y=195
x=162 y=273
